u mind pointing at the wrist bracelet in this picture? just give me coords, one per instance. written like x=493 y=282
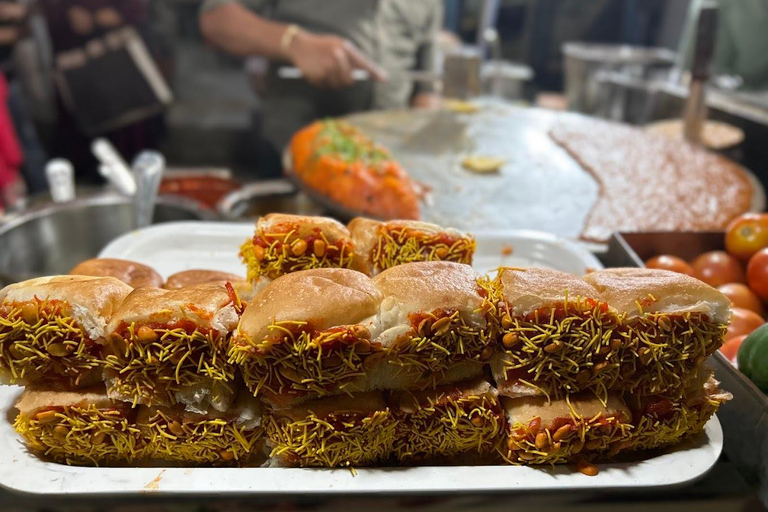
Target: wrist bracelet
x=287 y=39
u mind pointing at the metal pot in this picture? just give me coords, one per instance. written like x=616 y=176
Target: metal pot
x=583 y=61
x=271 y=196
x=53 y=238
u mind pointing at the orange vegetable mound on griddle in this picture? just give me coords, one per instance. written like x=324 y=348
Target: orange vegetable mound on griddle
x=342 y=163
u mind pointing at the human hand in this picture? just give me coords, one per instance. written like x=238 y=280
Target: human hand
x=108 y=18
x=80 y=20
x=427 y=101
x=11 y=11
x=328 y=61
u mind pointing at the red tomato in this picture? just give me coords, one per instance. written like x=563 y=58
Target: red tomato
x=718 y=267
x=743 y=321
x=747 y=234
x=742 y=297
x=757 y=273
x=673 y=263
x=730 y=348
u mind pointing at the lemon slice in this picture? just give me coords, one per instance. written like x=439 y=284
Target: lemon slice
x=482 y=164
x=464 y=107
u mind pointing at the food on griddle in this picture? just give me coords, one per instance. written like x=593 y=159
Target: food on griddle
x=169 y=346
x=383 y=245
x=308 y=333
x=340 y=162
x=464 y=419
x=197 y=276
x=232 y=437
x=288 y=243
x=337 y=431
x=132 y=273
x=81 y=427
x=52 y=328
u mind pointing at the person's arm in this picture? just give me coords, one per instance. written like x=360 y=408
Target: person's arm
x=425 y=95
x=324 y=60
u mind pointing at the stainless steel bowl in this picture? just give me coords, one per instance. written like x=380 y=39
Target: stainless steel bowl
x=51 y=239
x=271 y=196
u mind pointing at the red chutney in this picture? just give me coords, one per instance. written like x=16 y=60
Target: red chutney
x=560 y=311
x=417 y=318
x=185 y=324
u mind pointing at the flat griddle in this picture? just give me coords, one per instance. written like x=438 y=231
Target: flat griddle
x=540 y=186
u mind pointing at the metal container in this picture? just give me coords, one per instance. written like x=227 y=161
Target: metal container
x=52 y=239
x=272 y=196
x=583 y=62
x=461 y=71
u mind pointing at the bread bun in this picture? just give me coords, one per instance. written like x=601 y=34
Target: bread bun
x=324 y=297
x=528 y=289
x=193 y=277
x=92 y=301
x=131 y=273
x=583 y=405
x=624 y=288
x=207 y=304
x=32 y=400
x=410 y=401
x=361 y=404
x=333 y=230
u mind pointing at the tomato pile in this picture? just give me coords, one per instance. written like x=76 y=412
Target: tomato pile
x=740 y=272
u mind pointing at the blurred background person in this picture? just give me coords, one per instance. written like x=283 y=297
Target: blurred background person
x=386 y=39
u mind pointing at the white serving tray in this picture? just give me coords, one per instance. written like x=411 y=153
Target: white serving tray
x=177 y=246
x=173 y=247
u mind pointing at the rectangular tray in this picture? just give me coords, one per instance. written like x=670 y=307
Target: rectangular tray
x=174 y=247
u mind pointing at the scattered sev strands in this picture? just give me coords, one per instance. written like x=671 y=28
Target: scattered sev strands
x=448 y=427
x=273 y=254
x=684 y=421
x=296 y=358
x=81 y=435
x=439 y=339
x=38 y=341
x=333 y=441
x=341 y=140
x=205 y=441
x=178 y=358
x=398 y=245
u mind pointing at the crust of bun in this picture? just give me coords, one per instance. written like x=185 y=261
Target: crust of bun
x=32 y=400
x=365 y=237
x=92 y=300
x=528 y=289
x=429 y=286
x=362 y=403
x=325 y=297
x=331 y=228
x=207 y=304
x=131 y=273
x=623 y=288
x=194 y=277
x=410 y=401
x=585 y=405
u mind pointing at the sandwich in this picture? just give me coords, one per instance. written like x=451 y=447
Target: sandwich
x=671 y=324
x=288 y=243
x=194 y=277
x=52 y=328
x=336 y=431
x=169 y=346
x=81 y=427
x=433 y=324
x=308 y=334
x=556 y=335
x=454 y=420
x=232 y=437
x=576 y=427
x=131 y=273
x=383 y=245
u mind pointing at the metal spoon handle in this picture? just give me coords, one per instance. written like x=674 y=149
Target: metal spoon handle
x=148 y=170
x=61 y=180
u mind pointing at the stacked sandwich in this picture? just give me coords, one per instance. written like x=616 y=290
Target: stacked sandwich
x=373 y=344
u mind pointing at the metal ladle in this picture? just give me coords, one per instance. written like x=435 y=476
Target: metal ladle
x=148 y=169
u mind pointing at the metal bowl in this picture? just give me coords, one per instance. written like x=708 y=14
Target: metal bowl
x=272 y=196
x=52 y=239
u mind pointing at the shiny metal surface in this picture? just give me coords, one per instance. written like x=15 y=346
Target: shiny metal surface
x=52 y=239
x=271 y=196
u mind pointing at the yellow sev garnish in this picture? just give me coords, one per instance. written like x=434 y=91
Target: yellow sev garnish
x=662 y=351
x=449 y=426
x=150 y=365
x=204 y=441
x=297 y=359
x=398 y=245
x=279 y=253
x=81 y=435
x=39 y=342
x=333 y=441
x=565 y=441
x=437 y=341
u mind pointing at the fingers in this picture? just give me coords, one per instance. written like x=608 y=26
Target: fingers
x=358 y=60
x=343 y=71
